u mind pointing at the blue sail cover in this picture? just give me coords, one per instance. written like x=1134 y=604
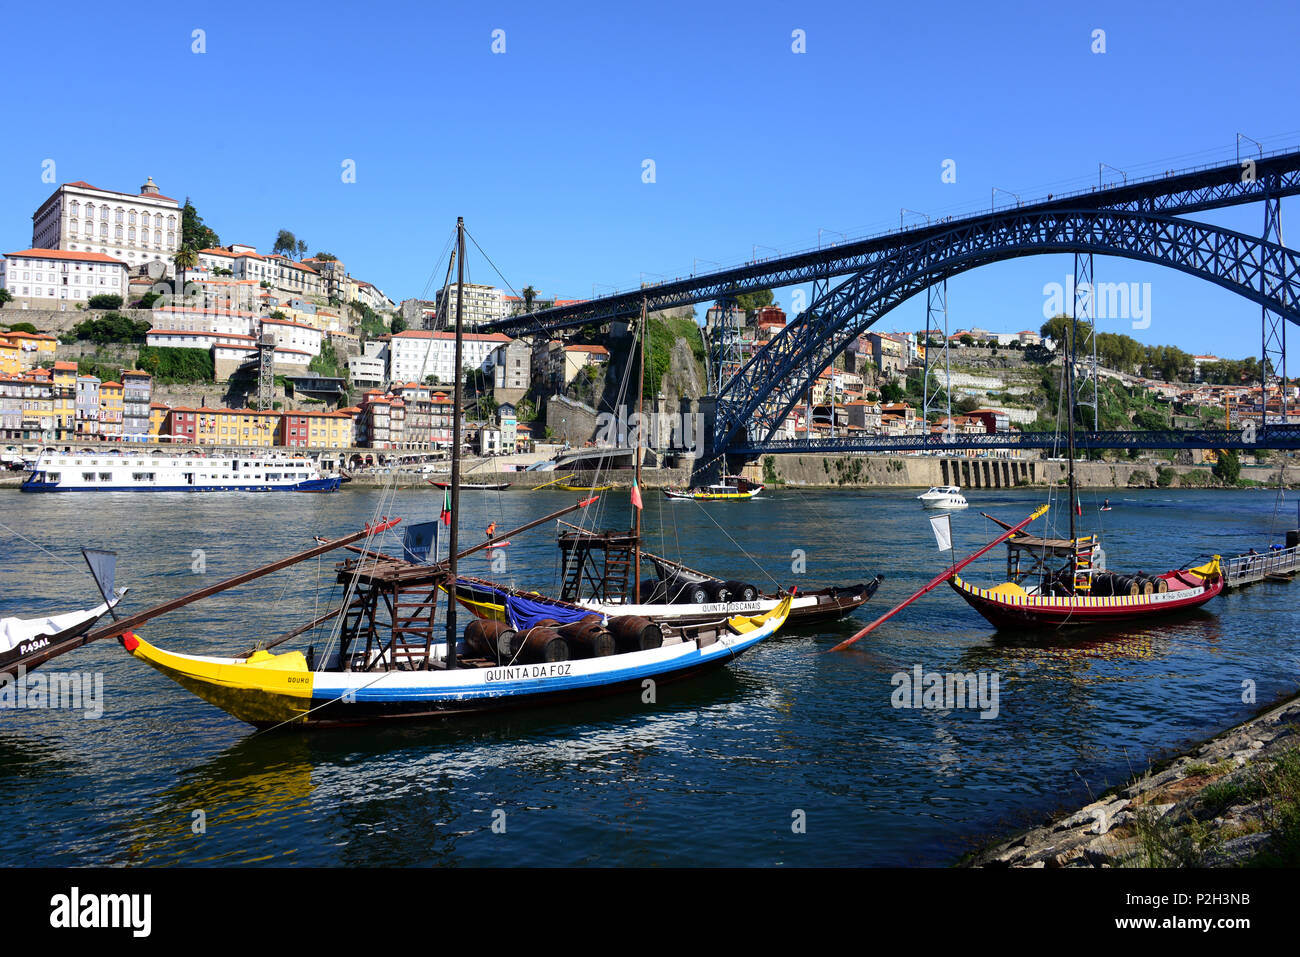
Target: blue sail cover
x=526 y=612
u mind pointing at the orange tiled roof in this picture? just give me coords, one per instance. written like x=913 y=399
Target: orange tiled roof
x=66 y=254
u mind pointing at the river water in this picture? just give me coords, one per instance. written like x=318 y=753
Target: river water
x=791 y=755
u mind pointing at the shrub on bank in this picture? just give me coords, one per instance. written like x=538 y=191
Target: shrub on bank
x=177 y=365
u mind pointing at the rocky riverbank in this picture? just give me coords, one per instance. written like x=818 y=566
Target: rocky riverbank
x=1232 y=801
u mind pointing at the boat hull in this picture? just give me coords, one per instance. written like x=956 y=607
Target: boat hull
x=330 y=484
x=826 y=604
x=271 y=691
x=38 y=649
x=1021 y=612
x=712 y=496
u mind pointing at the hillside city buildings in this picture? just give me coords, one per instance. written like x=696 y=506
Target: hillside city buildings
x=392 y=389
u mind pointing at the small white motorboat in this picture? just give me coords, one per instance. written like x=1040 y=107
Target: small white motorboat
x=943 y=496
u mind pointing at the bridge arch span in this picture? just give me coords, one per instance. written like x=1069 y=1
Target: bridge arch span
x=758 y=398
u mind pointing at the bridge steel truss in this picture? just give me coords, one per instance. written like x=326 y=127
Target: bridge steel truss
x=755 y=402
x=1136 y=220
x=1274 y=176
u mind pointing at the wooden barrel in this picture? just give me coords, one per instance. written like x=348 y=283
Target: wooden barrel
x=589 y=639
x=540 y=644
x=494 y=640
x=1162 y=585
x=634 y=633
x=1125 y=585
x=689 y=593
x=741 y=591
x=1145 y=585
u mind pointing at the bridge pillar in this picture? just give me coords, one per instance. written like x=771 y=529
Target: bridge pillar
x=1273 y=350
x=936 y=309
x=1084 y=309
x=728 y=357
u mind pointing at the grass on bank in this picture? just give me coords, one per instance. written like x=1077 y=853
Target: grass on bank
x=1271 y=790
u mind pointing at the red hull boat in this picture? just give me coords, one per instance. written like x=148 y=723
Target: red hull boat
x=1011 y=606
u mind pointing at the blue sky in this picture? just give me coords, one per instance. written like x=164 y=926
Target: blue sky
x=541 y=147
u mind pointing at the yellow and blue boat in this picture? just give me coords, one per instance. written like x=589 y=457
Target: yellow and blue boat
x=286 y=690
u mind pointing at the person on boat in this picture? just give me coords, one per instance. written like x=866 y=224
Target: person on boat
x=1106 y=504
x=491 y=530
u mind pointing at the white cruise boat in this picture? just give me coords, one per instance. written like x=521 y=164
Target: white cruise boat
x=943 y=496
x=162 y=472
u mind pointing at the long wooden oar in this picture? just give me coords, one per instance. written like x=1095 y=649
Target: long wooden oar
x=139 y=618
x=939 y=580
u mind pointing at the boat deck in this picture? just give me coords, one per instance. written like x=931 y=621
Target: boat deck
x=1274 y=565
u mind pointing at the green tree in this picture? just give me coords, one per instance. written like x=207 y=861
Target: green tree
x=5 y=296
x=112 y=327
x=398 y=325
x=105 y=301
x=302 y=248
x=1228 y=467
x=177 y=365
x=891 y=392
x=530 y=294
x=326 y=257
x=286 y=243
x=186 y=258
x=749 y=301
x=20 y=326
x=327 y=362
x=193 y=231
x=1150 y=420
x=1056 y=329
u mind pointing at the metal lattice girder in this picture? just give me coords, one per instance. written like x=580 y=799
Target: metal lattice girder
x=1273 y=352
x=936 y=312
x=1178 y=193
x=728 y=358
x=1084 y=347
x=756 y=401
x=1272 y=437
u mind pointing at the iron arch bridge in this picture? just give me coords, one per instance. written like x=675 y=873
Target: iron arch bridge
x=754 y=403
x=1135 y=220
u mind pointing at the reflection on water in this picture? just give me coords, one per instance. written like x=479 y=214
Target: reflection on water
x=712 y=773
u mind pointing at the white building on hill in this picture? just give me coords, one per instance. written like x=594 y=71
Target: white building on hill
x=136 y=229
x=416 y=354
x=53 y=278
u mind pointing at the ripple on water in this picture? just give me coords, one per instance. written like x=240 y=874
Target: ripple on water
x=715 y=772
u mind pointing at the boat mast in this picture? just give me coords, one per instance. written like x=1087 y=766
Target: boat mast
x=450 y=658
x=640 y=419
